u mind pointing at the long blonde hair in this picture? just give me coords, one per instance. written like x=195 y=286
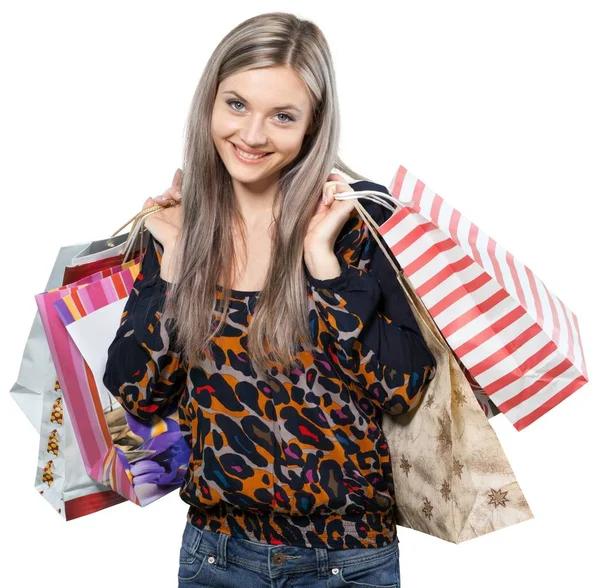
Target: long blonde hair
x=280 y=319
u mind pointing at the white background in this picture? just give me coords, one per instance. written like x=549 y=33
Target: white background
x=494 y=105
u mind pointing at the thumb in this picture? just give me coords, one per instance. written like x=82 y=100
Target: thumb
x=177 y=178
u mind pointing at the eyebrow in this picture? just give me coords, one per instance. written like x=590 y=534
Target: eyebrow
x=283 y=107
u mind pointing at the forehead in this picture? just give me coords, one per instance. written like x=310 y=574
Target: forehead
x=268 y=86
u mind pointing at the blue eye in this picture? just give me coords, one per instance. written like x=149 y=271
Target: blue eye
x=290 y=118
x=230 y=102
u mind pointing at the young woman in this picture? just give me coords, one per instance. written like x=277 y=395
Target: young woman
x=266 y=311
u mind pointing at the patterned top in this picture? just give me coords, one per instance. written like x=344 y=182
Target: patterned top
x=298 y=460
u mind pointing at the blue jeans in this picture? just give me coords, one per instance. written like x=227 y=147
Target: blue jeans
x=217 y=560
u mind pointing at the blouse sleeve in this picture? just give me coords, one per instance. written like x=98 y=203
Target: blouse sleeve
x=143 y=371
x=368 y=325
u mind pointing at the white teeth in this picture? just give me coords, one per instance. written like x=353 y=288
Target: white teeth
x=249 y=155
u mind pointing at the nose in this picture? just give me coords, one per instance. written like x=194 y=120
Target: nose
x=252 y=133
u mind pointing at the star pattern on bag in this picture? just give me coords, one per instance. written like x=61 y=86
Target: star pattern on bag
x=445 y=434
x=405 y=465
x=446 y=490
x=459 y=397
x=427 y=509
x=457 y=467
x=497 y=497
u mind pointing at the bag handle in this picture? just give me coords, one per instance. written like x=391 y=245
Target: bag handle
x=138 y=229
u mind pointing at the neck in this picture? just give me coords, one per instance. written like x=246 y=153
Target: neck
x=258 y=202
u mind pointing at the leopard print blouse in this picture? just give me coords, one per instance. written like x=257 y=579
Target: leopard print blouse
x=295 y=460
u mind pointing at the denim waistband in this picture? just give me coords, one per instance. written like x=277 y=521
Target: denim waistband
x=275 y=560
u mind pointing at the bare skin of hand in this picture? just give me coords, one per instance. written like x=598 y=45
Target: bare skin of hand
x=165 y=225
x=330 y=215
x=324 y=227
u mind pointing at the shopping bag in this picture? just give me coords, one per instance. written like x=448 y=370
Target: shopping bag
x=485 y=402
x=100 y=250
x=93 y=272
x=141 y=461
x=70 y=266
x=517 y=340
x=104 y=254
x=156 y=453
x=61 y=476
x=452 y=479
x=37 y=371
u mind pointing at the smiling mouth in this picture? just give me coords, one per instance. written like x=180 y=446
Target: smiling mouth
x=249 y=156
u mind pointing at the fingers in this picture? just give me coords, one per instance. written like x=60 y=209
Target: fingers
x=169 y=197
x=149 y=202
x=331 y=188
x=177 y=180
x=163 y=201
x=173 y=193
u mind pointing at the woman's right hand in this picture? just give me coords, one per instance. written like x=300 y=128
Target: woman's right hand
x=165 y=225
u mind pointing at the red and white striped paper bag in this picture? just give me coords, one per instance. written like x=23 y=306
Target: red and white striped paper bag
x=517 y=339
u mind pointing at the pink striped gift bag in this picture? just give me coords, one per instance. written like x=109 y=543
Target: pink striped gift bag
x=140 y=461
x=516 y=340
x=61 y=478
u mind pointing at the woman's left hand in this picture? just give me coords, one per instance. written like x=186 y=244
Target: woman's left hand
x=330 y=216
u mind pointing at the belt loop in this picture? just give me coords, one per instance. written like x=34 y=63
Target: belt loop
x=322 y=563
x=197 y=538
x=222 y=550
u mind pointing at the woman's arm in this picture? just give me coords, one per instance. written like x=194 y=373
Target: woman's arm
x=387 y=356
x=143 y=370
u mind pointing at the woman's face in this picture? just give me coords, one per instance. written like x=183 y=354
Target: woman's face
x=263 y=110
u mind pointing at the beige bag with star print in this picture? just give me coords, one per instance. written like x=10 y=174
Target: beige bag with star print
x=452 y=479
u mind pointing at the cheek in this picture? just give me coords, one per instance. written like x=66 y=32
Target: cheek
x=221 y=124
x=291 y=143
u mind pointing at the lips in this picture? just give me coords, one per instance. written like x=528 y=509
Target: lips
x=252 y=151
x=255 y=160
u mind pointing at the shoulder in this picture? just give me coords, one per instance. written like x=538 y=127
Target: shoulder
x=355 y=242
x=378 y=212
